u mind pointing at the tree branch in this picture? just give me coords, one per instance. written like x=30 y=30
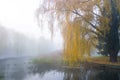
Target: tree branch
x=76 y=12
x=96 y=14
x=95 y=33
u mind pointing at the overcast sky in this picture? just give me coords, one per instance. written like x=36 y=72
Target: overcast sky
x=19 y=15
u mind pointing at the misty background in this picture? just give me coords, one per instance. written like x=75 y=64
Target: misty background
x=14 y=44
x=20 y=34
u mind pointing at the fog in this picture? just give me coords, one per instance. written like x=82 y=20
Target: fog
x=14 y=44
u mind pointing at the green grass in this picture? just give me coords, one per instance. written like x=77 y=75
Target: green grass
x=103 y=60
x=47 y=61
x=58 y=61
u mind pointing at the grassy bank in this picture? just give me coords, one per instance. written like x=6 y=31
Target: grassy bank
x=91 y=62
x=103 y=60
x=47 y=60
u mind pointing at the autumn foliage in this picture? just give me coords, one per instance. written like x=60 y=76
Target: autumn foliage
x=81 y=22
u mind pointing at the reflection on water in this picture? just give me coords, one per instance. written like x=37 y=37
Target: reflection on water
x=108 y=75
x=13 y=68
x=51 y=75
x=22 y=69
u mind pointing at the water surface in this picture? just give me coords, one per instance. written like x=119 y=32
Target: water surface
x=21 y=68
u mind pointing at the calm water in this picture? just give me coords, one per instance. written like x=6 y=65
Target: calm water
x=23 y=69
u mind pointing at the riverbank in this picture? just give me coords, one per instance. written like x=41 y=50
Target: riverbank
x=94 y=62
x=103 y=61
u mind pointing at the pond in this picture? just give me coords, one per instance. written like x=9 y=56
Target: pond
x=21 y=68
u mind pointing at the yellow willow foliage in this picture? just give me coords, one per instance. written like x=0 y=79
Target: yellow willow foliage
x=77 y=47
x=75 y=18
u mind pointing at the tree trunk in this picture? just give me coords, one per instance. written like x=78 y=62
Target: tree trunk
x=113 y=44
x=113 y=36
x=113 y=57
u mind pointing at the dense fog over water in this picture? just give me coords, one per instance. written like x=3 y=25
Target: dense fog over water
x=14 y=44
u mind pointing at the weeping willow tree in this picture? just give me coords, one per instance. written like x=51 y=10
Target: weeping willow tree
x=84 y=24
x=77 y=44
